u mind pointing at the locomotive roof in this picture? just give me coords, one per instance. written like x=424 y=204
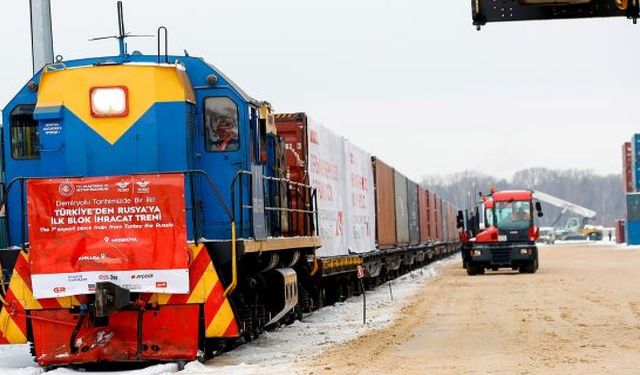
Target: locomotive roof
x=196 y=67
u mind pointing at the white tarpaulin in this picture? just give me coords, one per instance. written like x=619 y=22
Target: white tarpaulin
x=326 y=174
x=360 y=205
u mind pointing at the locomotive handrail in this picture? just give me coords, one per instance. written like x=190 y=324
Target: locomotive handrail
x=210 y=181
x=302 y=195
x=166 y=44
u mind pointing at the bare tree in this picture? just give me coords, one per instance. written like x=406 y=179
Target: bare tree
x=602 y=194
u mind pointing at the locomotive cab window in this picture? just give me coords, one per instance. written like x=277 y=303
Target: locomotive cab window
x=25 y=142
x=221 y=124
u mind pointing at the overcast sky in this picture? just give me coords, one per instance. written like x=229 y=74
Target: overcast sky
x=410 y=81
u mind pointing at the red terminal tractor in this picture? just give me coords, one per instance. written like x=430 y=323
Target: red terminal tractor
x=501 y=233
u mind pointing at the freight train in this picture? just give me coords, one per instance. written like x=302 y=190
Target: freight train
x=157 y=212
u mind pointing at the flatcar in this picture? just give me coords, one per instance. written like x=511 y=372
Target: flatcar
x=157 y=212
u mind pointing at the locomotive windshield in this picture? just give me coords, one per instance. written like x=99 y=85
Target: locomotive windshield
x=221 y=124
x=513 y=215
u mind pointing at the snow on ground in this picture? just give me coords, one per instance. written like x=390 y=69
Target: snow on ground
x=168 y=368
x=278 y=351
x=16 y=360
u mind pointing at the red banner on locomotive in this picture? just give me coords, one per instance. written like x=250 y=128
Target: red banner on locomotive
x=128 y=230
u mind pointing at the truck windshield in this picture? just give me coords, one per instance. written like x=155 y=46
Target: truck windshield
x=513 y=215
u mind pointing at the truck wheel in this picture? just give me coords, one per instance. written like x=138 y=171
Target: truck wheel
x=475 y=269
x=530 y=267
x=471 y=269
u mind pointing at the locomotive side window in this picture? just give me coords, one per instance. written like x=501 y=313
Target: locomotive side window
x=220 y=124
x=25 y=142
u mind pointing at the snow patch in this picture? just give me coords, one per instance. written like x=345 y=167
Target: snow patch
x=16 y=360
x=278 y=351
x=168 y=368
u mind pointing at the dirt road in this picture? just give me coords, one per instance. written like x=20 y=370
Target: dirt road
x=579 y=314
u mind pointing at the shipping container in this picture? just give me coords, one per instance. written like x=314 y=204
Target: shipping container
x=633 y=207
x=423 y=203
x=360 y=205
x=453 y=231
x=635 y=162
x=343 y=176
x=620 y=231
x=445 y=221
x=627 y=167
x=402 y=212
x=385 y=204
x=414 y=212
x=633 y=219
x=292 y=127
x=326 y=174
x=438 y=219
x=633 y=232
x=433 y=218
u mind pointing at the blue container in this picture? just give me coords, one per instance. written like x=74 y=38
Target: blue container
x=633 y=207
x=633 y=232
x=635 y=161
x=635 y=146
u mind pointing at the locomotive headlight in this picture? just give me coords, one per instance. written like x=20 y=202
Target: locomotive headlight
x=109 y=101
x=476 y=253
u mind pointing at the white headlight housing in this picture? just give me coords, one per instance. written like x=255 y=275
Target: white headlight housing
x=109 y=101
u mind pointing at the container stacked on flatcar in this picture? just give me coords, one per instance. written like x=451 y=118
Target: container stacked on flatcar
x=369 y=213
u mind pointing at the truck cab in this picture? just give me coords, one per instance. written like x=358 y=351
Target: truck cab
x=508 y=240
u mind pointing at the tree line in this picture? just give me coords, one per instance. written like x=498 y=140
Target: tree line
x=603 y=194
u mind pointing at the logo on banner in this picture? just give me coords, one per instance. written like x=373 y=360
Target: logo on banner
x=142 y=276
x=76 y=278
x=123 y=186
x=66 y=188
x=161 y=284
x=108 y=277
x=99 y=259
x=59 y=289
x=143 y=186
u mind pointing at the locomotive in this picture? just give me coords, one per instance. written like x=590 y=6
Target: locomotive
x=157 y=212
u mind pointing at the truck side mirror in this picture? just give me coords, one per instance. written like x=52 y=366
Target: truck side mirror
x=539 y=209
